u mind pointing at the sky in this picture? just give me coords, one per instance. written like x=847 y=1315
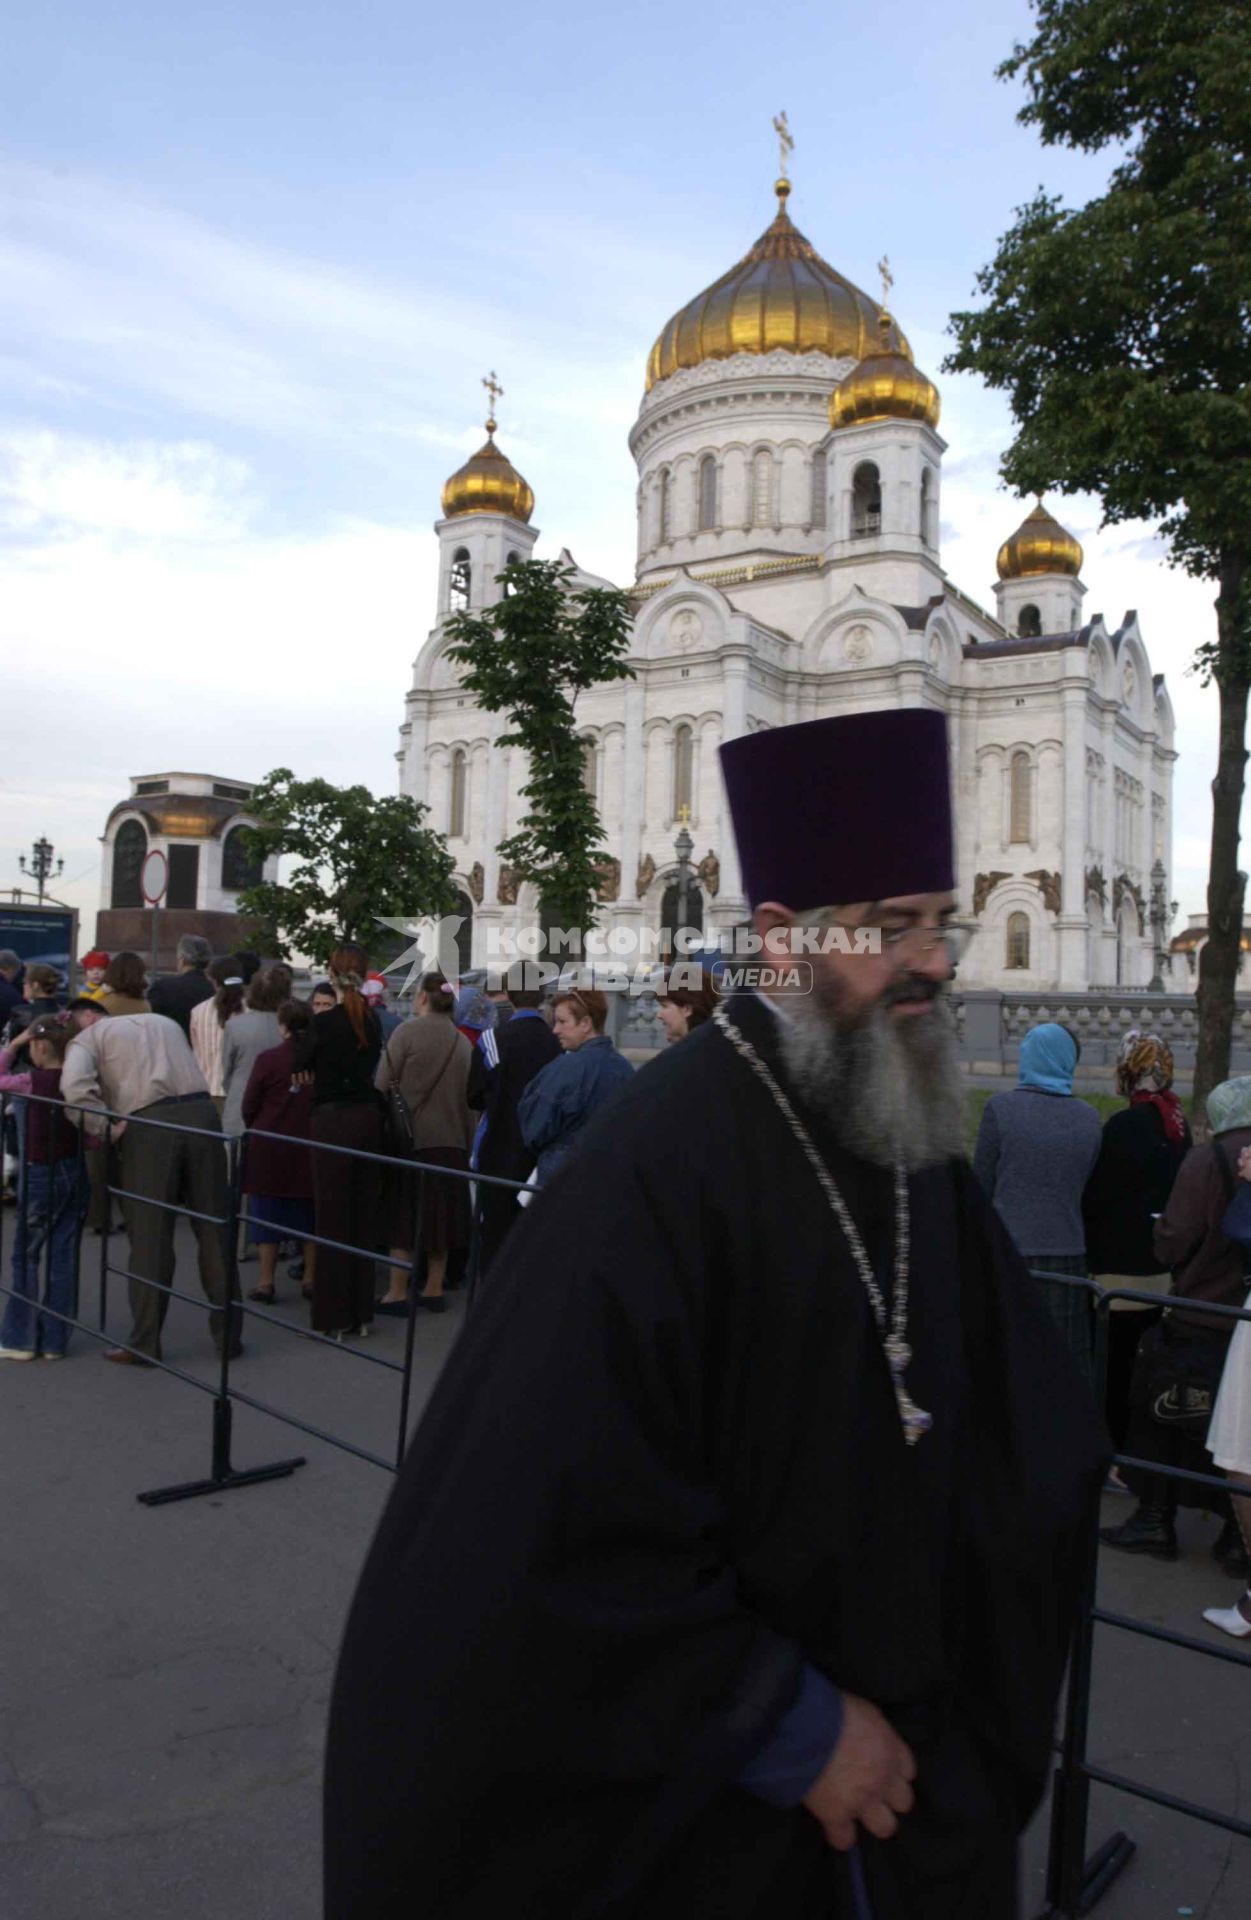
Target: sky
x=255 y=260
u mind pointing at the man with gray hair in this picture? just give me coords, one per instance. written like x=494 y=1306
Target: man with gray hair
x=776 y=1465
x=174 y=994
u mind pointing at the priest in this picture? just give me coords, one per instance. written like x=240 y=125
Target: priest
x=731 y=1571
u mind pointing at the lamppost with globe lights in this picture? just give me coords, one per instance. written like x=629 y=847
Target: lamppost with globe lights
x=41 y=869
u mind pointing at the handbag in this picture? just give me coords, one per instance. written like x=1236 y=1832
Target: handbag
x=398 y=1127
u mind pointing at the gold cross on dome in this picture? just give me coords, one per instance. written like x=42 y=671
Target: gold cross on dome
x=493 y=387
x=888 y=281
x=786 y=142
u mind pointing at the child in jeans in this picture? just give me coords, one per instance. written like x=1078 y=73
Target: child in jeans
x=51 y=1194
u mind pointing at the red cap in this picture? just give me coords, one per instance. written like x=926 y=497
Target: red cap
x=96 y=958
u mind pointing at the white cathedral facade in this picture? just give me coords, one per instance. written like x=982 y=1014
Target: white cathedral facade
x=789 y=567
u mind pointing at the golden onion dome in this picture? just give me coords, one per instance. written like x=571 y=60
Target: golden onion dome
x=489 y=483
x=1039 y=545
x=885 y=386
x=782 y=294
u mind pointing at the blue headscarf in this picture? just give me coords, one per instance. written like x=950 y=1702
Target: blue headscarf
x=1048 y=1057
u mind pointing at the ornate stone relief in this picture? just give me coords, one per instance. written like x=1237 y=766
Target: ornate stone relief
x=506 y=890
x=477 y=883
x=608 y=885
x=984 y=885
x=686 y=629
x=645 y=875
x=1048 y=885
x=709 y=871
x=1097 y=885
x=858 y=645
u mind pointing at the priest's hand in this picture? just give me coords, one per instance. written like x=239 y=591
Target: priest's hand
x=867 y=1779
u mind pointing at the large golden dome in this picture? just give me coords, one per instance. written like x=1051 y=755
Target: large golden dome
x=781 y=294
x=1039 y=545
x=489 y=483
x=885 y=386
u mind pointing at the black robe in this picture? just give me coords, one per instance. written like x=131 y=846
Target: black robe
x=663 y=1467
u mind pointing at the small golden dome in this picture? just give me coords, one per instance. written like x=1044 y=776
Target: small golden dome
x=885 y=386
x=489 y=483
x=1039 y=545
x=782 y=294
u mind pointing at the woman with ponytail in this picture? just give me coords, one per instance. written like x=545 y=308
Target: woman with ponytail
x=339 y=1053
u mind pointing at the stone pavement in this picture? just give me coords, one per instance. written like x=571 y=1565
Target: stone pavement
x=166 y=1671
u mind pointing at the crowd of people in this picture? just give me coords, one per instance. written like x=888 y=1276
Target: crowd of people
x=1136 y=1207
x=341 y=1103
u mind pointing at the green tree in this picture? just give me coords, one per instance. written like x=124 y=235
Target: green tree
x=529 y=656
x=356 y=859
x=1121 y=333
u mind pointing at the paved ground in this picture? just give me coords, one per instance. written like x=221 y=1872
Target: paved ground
x=166 y=1671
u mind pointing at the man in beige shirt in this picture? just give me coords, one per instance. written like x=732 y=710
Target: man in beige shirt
x=140 y=1066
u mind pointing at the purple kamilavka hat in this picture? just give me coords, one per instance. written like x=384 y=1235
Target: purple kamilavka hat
x=834 y=811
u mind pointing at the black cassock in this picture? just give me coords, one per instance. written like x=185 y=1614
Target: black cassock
x=663 y=1467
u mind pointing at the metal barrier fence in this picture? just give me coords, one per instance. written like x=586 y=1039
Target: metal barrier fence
x=228 y=1314
x=1076 y=1880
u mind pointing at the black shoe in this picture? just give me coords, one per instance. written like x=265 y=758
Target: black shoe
x=393 y=1309
x=1149 y=1530
x=1229 y=1552
x=432 y=1302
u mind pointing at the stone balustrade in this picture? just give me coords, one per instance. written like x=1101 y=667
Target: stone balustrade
x=991 y=1025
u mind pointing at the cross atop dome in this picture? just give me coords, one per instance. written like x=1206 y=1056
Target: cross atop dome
x=493 y=387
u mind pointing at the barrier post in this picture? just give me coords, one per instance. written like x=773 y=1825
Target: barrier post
x=410 y=1327
x=1075 y=1883
x=223 y=1476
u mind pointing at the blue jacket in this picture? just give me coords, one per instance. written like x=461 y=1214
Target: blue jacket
x=562 y=1097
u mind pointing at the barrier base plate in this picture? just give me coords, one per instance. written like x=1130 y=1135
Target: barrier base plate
x=245 y=1477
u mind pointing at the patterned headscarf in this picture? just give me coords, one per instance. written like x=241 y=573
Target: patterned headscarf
x=1144 y=1061
x=1144 y=1073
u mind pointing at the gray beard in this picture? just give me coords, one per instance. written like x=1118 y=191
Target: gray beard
x=889 y=1090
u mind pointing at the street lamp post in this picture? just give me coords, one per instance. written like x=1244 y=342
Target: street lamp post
x=1161 y=914
x=684 y=847
x=41 y=868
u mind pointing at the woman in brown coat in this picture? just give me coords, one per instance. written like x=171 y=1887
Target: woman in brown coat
x=428 y=1060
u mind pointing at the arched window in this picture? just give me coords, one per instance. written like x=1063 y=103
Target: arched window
x=458 y=581
x=458 y=795
x=666 y=505
x=866 y=501
x=707 y=493
x=683 y=772
x=1017 y=956
x=1019 y=800
x=762 y=489
x=130 y=850
x=926 y=504
x=589 y=779
x=239 y=868
x=818 y=489
x=1029 y=622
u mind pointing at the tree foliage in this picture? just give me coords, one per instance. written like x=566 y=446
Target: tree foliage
x=356 y=859
x=528 y=657
x=1121 y=333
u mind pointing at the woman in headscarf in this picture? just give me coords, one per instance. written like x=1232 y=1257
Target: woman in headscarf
x=1035 y=1149
x=1188 y=1347
x=339 y=1052
x=1142 y=1148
